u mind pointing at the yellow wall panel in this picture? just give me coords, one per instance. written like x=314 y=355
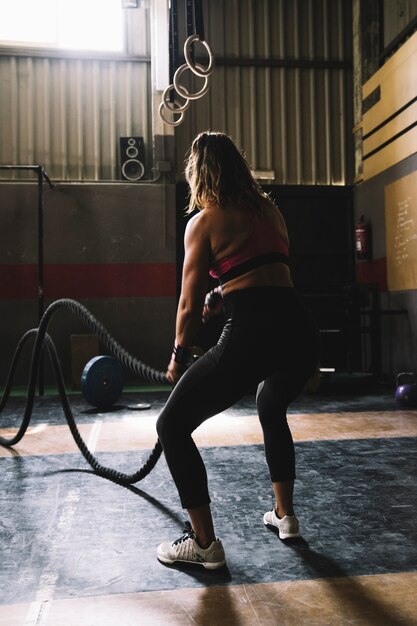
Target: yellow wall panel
x=397 y=81
x=392 y=128
x=393 y=63
x=397 y=88
x=401 y=228
x=395 y=152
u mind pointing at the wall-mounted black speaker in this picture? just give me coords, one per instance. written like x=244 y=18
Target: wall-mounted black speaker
x=132 y=158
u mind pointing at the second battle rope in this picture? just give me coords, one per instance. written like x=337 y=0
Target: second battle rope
x=43 y=339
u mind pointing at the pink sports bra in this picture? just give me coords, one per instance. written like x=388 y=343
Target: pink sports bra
x=262 y=247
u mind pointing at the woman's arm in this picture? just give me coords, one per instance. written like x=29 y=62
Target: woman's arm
x=193 y=291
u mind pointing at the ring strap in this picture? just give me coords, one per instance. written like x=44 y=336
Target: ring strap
x=173 y=41
x=198 y=18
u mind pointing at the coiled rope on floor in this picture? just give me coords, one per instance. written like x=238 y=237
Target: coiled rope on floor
x=43 y=339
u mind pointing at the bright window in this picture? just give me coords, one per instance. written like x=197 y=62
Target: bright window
x=64 y=24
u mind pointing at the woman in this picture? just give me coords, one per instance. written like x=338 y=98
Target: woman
x=239 y=237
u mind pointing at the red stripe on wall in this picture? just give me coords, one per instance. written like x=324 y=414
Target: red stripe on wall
x=18 y=281
x=374 y=272
x=119 y=280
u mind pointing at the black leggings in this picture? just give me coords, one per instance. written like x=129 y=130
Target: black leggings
x=268 y=340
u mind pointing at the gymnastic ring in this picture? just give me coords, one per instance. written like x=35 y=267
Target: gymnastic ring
x=199 y=71
x=174 y=106
x=170 y=122
x=182 y=91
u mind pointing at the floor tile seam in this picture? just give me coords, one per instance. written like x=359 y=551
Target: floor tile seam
x=16 y=453
x=292 y=581
x=340 y=415
x=373 y=413
x=256 y=585
x=296 y=581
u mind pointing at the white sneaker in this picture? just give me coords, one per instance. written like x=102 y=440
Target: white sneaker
x=287 y=526
x=187 y=550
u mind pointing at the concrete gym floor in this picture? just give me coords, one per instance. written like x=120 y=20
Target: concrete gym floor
x=79 y=550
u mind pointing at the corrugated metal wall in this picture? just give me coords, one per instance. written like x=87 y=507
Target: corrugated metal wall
x=68 y=114
x=282 y=87
x=67 y=111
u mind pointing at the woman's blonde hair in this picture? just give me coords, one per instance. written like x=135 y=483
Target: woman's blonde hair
x=217 y=172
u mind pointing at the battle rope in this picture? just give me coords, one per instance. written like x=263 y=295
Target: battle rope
x=43 y=339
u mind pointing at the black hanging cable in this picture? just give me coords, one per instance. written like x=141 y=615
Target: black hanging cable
x=189 y=21
x=189 y=17
x=194 y=26
x=173 y=42
x=194 y=22
x=198 y=19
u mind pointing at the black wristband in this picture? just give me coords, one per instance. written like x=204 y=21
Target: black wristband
x=181 y=354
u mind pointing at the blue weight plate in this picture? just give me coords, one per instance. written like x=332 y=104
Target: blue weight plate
x=102 y=381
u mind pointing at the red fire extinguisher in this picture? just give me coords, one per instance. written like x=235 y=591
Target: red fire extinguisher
x=363 y=237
